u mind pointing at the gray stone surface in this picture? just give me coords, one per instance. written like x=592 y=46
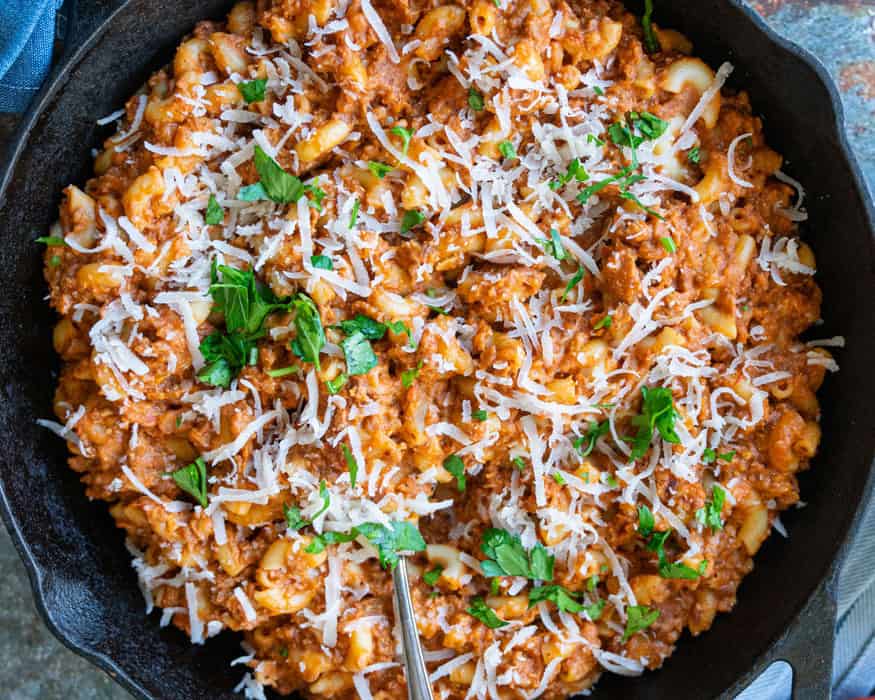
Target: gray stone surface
x=35 y=665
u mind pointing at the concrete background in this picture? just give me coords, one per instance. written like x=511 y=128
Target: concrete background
x=839 y=32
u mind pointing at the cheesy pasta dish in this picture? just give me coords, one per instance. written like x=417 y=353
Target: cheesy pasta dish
x=511 y=287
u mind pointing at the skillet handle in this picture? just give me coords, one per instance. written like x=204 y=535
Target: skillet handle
x=808 y=645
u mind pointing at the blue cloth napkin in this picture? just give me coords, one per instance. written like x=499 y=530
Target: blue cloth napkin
x=27 y=32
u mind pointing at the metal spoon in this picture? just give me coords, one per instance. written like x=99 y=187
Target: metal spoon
x=418 y=687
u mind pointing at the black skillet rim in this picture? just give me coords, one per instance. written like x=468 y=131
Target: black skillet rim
x=56 y=82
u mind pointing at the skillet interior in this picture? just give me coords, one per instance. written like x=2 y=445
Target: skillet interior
x=80 y=570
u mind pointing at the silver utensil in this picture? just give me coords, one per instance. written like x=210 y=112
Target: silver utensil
x=418 y=687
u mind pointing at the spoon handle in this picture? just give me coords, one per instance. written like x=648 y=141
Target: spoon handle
x=418 y=687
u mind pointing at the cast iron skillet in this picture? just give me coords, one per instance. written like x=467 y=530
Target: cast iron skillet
x=79 y=569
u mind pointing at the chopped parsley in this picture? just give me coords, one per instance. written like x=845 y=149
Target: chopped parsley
x=507 y=557
x=275 y=183
x=351 y=465
x=283 y=371
x=709 y=456
x=193 y=480
x=572 y=283
x=431 y=577
x=214 y=214
x=408 y=376
x=455 y=466
x=710 y=514
x=310 y=336
x=595 y=610
x=638 y=619
x=405 y=135
x=651 y=43
x=368 y=327
x=585 y=444
x=592 y=138
x=657 y=411
x=481 y=611
x=480 y=415
x=574 y=171
x=411 y=219
x=694 y=155
x=389 y=540
x=322 y=262
x=55 y=260
x=51 y=240
x=668 y=243
x=354 y=215
x=245 y=303
x=606 y=322
x=253 y=91
x=655 y=540
x=649 y=128
x=507 y=150
x=519 y=463
x=475 y=99
x=359 y=354
x=598 y=91
x=335 y=385
x=558 y=478
x=564 y=599
x=379 y=169
x=293 y=513
x=554 y=246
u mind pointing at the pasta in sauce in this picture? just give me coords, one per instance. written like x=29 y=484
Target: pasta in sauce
x=513 y=286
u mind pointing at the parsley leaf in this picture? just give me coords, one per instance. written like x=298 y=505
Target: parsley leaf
x=594 y=611
x=293 y=513
x=317 y=544
x=586 y=443
x=656 y=540
x=322 y=262
x=554 y=246
x=214 y=214
x=225 y=355
x=668 y=243
x=392 y=539
x=253 y=91
x=193 y=480
x=638 y=618
x=278 y=185
x=657 y=411
x=507 y=150
x=475 y=99
x=368 y=327
x=606 y=322
x=519 y=463
x=480 y=415
x=379 y=169
x=694 y=155
x=431 y=577
x=359 y=354
x=572 y=283
x=593 y=139
x=480 y=610
x=310 y=336
x=411 y=218
x=646 y=521
x=51 y=240
x=455 y=466
x=351 y=465
x=507 y=557
x=243 y=300
x=282 y=371
x=651 y=43
x=561 y=596
x=678 y=571
x=709 y=515
x=574 y=171
x=408 y=376
x=405 y=136
x=354 y=215
x=336 y=384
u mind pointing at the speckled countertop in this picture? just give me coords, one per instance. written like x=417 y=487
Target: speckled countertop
x=839 y=32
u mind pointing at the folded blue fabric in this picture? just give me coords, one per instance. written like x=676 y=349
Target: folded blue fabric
x=27 y=33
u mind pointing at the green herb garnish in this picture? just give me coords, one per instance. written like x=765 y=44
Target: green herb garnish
x=480 y=415
x=606 y=322
x=359 y=354
x=405 y=135
x=411 y=219
x=431 y=577
x=638 y=618
x=668 y=243
x=253 y=91
x=564 y=599
x=283 y=371
x=507 y=150
x=480 y=610
x=354 y=215
x=351 y=465
x=572 y=283
x=586 y=443
x=657 y=411
x=310 y=336
x=651 y=43
x=507 y=557
x=322 y=262
x=475 y=99
x=694 y=155
x=710 y=514
x=214 y=214
x=408 y=376
x=335 y=385
x=455 y=466
x=379 y=169
x=193 y=480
